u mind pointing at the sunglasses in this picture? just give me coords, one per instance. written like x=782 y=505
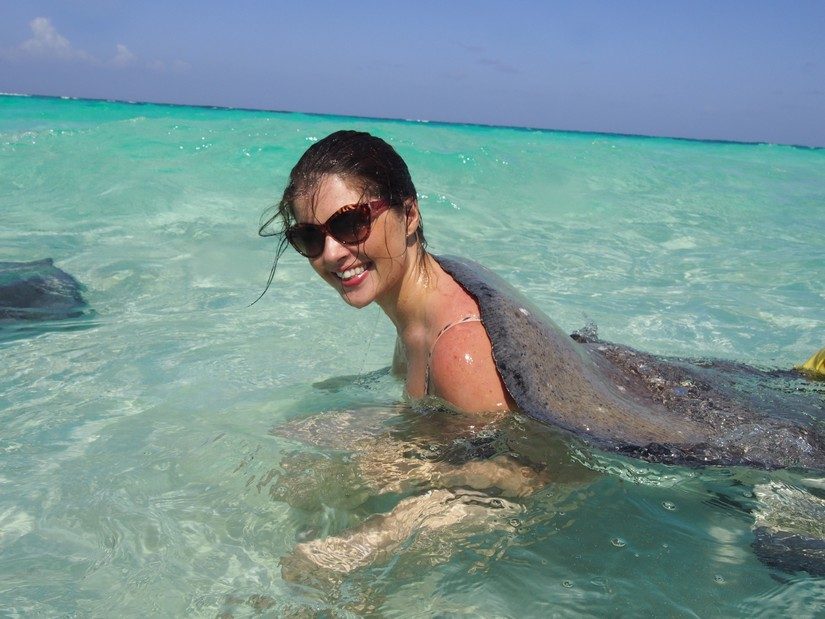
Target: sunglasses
x=349 y=225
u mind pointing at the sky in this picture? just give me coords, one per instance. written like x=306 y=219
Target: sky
x=748 y=70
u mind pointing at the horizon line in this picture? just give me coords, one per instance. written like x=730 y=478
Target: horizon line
x=413 y=120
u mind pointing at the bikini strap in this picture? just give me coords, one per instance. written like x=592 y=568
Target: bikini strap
x=445 y=328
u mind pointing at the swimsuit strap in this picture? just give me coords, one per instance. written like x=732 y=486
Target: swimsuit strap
x=449 y=325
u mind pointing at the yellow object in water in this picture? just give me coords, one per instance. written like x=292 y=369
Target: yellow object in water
x=814 y=365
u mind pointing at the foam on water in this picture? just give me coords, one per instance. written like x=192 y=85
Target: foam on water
x=138 y=471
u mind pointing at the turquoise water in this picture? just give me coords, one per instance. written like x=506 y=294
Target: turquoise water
x=141 y=462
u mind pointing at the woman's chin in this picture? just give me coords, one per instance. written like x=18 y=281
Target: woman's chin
x=358 y=291
x=353 y=299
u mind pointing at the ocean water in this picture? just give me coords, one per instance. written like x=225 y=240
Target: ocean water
x=165 y=454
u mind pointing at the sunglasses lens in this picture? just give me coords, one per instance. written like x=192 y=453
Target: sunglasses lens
x=307 y=240
x=351 y=226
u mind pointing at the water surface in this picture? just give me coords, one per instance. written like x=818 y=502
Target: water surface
x=141 y=465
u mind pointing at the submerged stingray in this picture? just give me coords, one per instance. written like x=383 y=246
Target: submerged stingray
x=633 y=403
x=38 y=291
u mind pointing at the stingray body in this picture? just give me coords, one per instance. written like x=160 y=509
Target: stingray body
x=38 y=291
x=626 y=401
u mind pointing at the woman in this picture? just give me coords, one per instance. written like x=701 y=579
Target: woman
x=350 y=207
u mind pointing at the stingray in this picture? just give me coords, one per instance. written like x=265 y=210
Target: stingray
x=38 y=292
x=626 y=401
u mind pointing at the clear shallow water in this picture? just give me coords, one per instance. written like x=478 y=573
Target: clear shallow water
x=140 y=463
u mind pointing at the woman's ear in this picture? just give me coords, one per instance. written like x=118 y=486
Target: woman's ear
x=413 y=217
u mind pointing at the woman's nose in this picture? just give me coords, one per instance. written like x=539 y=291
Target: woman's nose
x=334 y=250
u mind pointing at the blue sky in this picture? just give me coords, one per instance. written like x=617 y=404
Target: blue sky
x=731 y=70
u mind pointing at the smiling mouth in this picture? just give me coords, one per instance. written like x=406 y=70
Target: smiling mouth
x=350 y=273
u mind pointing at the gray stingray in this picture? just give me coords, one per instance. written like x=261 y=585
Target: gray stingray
x=622 y=400
x=38 y=291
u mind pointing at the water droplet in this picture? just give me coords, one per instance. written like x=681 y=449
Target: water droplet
x=719 y=579
x=567 y=584
x=669 y=505
x=618 y=542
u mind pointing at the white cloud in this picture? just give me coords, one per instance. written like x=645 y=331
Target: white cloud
x=124 y=57
x=47 y=42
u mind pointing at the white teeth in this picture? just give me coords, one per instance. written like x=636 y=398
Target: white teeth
x=349 y=273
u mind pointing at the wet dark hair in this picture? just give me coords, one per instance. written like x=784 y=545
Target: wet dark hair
x=362 y=160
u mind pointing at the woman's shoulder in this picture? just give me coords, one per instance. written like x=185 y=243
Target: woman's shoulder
x=462 y=368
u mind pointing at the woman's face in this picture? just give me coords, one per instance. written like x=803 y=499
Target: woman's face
x=371 y=271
